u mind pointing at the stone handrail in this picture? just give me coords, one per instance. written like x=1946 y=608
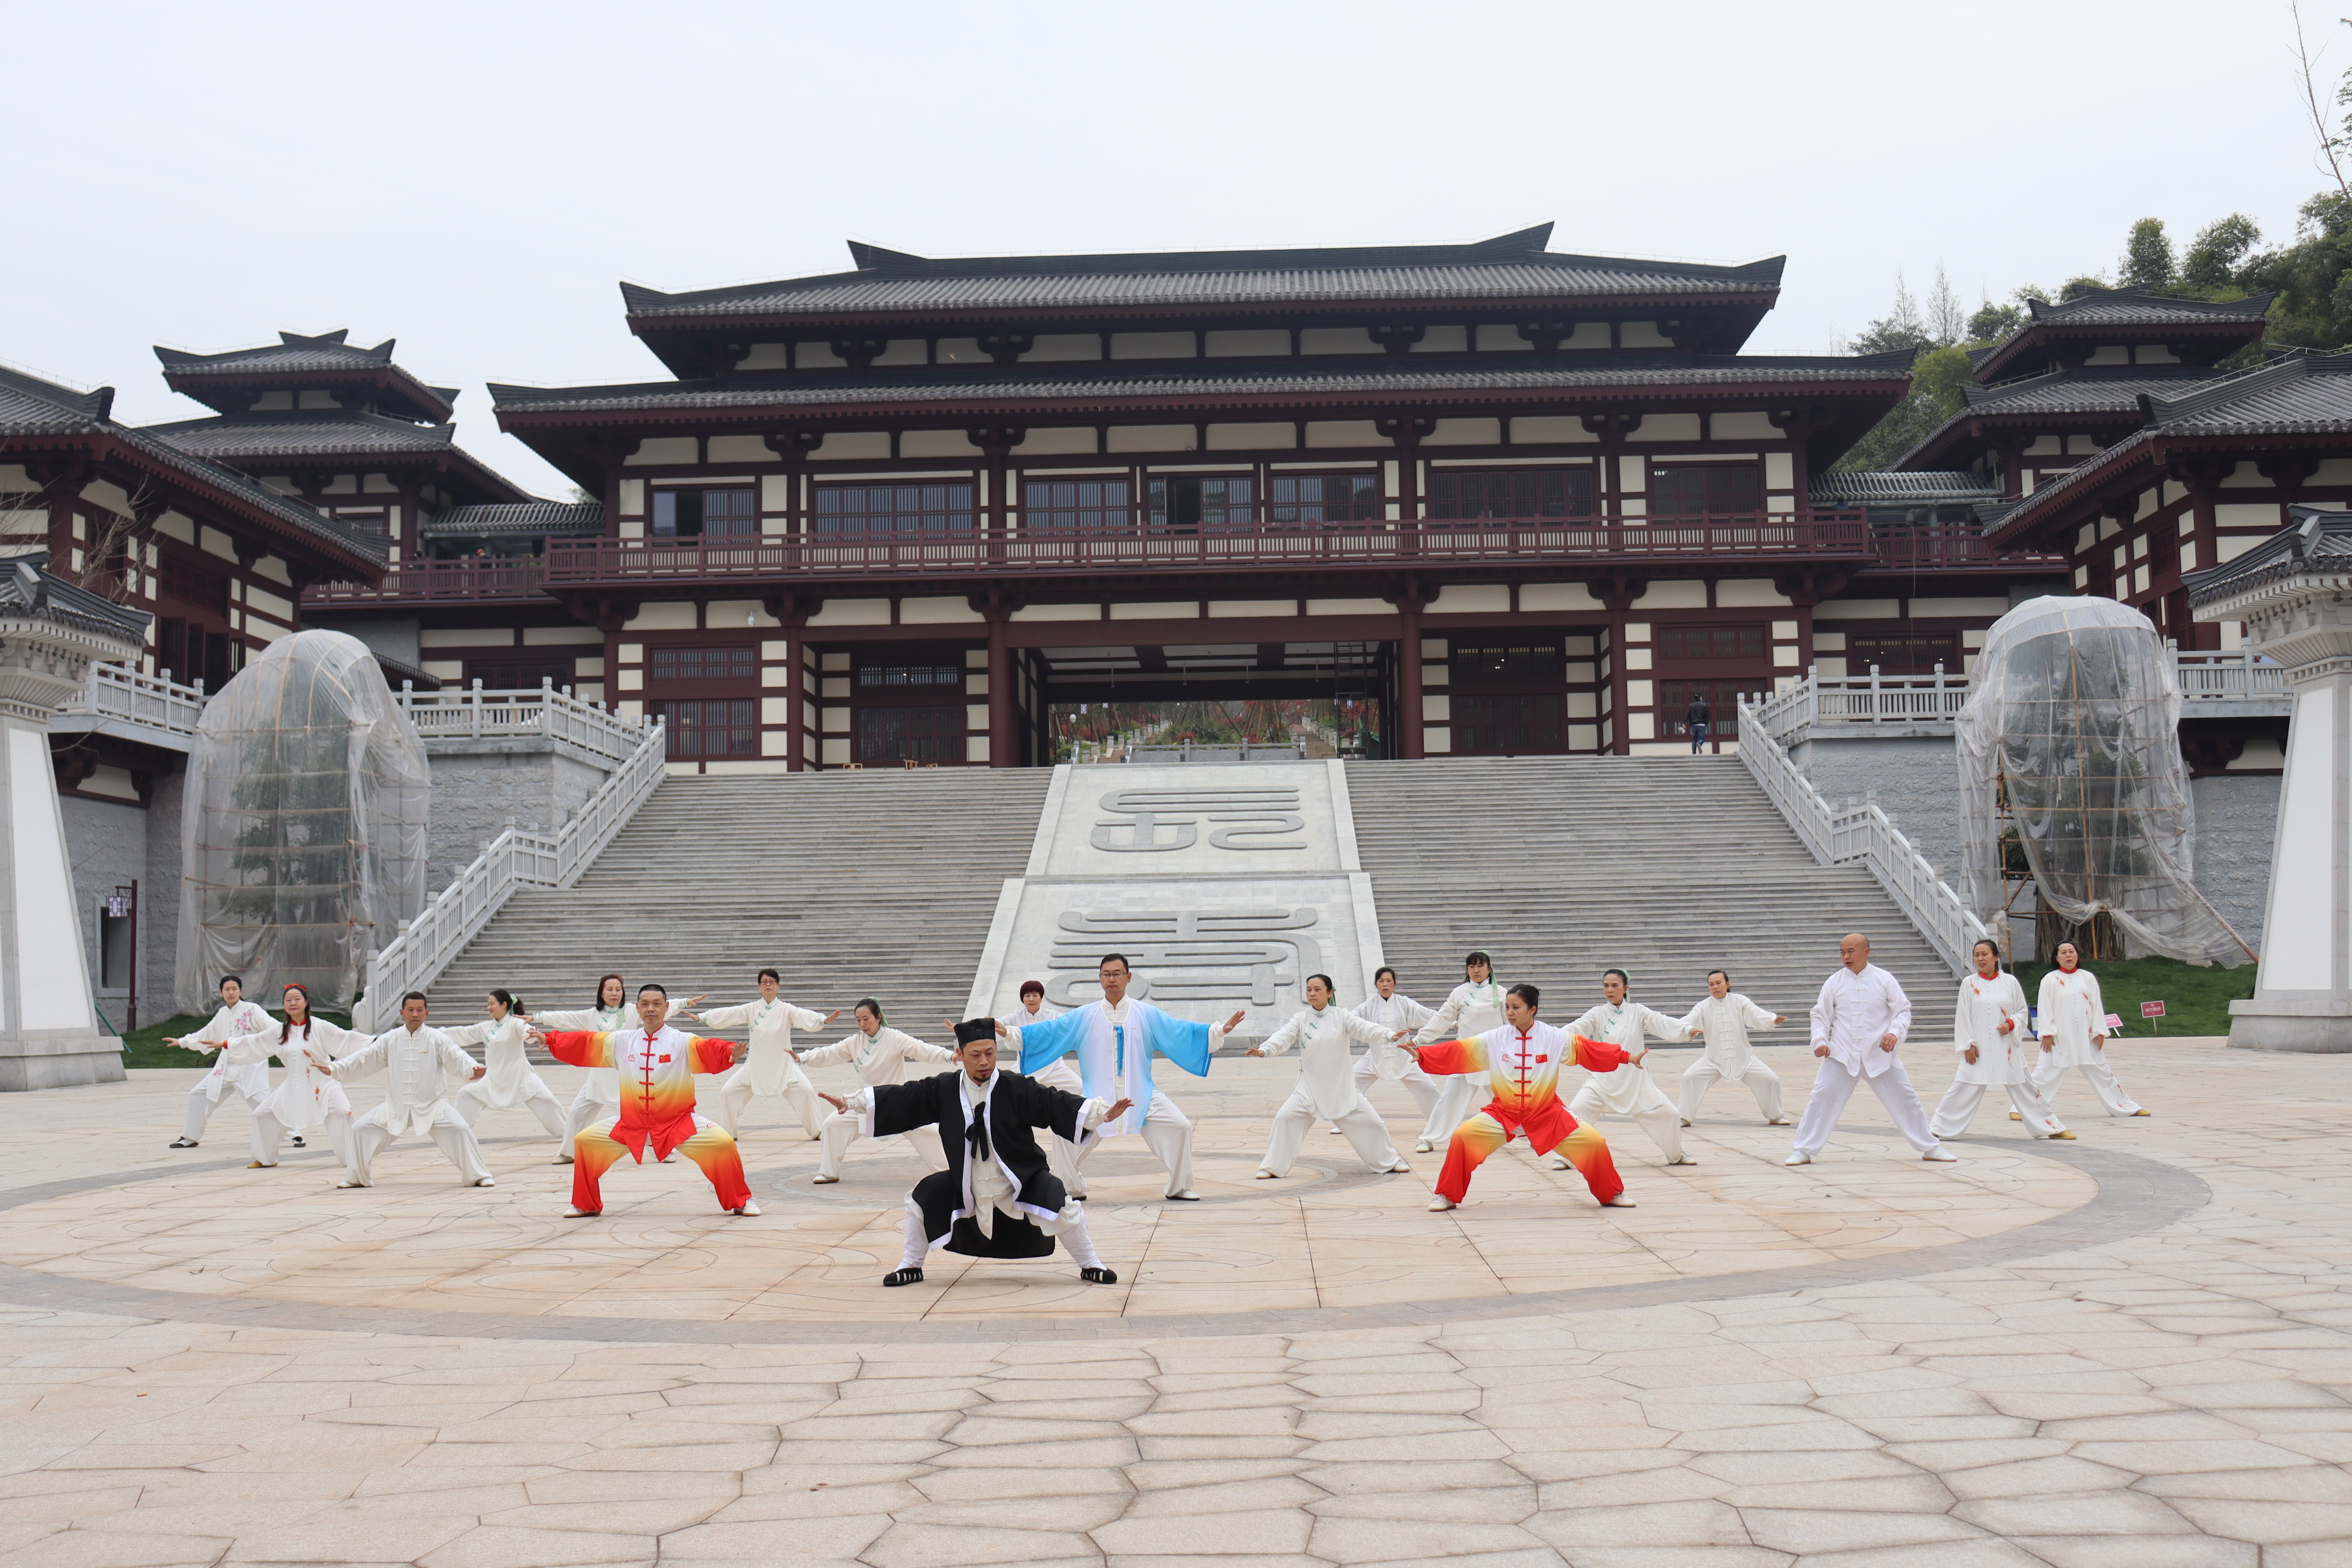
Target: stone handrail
x=1841 y=834
x=472 y=713
x=152 y=702
x=1852 y=704
x=513 y=860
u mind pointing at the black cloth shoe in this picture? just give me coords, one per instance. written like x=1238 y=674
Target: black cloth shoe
x=1097 y=1275
x=298 y=1142
x=904 y=1277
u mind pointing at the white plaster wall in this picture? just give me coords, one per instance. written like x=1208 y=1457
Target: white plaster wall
x=48 y=932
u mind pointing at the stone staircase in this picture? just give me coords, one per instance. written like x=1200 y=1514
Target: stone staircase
x=1664 y=867
x=851 y=883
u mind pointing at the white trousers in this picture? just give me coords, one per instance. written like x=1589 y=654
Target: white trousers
x=1367 y=1134
x=468 y=1104
x=1061 y=1154
x=1456 y=1093
x=1835 y=1084
x=457 y=1140
x=1659 y=1119
x=1426 y=1090
x=200 y=1109
x=843 y=1128
x=587 y=1110
x=2047 y=1075
x=736 y=1093
x=1168 y=1133
x=1703 y=1075
x=1961 y=1101
x=1072 y=1236
x=267 y=1134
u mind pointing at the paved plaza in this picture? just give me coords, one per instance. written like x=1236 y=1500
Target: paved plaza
x=2134 y=1349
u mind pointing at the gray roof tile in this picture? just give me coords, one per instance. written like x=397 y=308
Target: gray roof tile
x=2319 y=540
x=538 y=517
x=1879 y=486
x=1513 y=266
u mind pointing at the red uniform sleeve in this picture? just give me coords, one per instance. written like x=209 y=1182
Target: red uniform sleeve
x=1449 y=1057
x=581 y=1048
x=711 y=1056
x=1594 y=1057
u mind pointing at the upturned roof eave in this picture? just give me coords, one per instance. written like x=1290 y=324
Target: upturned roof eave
x=427 y=403
x=1989 y=369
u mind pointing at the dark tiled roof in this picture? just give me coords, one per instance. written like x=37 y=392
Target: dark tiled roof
x=291 y=352
x=26 y=589
x=316 y=436
x=32 y=407
x=2318 y=540
x=2139 y=308
x=294 y=357
x=528 y=518
x=1511 y=265
x=2302 y=396
x=2092 y=390
x=1880 y=487
x=304 y=434
x=1212 y=378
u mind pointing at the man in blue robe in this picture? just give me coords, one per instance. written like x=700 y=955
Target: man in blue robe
x=1116 y=1038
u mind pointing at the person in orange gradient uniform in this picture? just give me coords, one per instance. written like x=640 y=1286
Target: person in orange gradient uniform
x=656 y=1065
x=1522 y=1061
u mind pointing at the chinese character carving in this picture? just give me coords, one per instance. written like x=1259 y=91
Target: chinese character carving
x=1194 y=955
x=1249 y=817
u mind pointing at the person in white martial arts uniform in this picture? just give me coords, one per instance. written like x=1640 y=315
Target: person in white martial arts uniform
x=2074 y=1031
x=1723 y=1019
x=249 y=1081
x=508 y=1080
x=1116 y=1039
x=1327 y=1084
x=880 y=1055
x=771 y=1069
x=599 y=1099
x=1475 y=1006
x=1996 y=1050
x=1629 y=1090
x=418 y=1063
x=1062 y=1073
x=306 y=1098
x=1859 y=1019
x=1400 y=1015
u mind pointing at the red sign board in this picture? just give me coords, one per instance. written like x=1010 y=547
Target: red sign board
x=2151 y=1009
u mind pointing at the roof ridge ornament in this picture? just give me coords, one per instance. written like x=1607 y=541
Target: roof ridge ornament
x=333 y=340
x=878 y=259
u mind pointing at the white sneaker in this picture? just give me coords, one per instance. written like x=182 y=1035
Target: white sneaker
x=1423 y=1147
x=1265 y=1175
x=1681 y=1160
x=487 y=1182
x=1399 y=1168
x=1185 y=1195
x=822 y=1181
x=747 y=1210
x=1941 y=1156
x=1799 y=1158
x=1619 y=1202
x=1440 y=1203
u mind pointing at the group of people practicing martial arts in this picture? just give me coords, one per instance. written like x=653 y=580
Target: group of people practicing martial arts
x=996 y=1190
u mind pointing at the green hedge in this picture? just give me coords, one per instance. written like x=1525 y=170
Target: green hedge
x=145 y=1048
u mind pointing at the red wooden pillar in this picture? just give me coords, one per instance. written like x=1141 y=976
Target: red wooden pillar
x=1409 y=691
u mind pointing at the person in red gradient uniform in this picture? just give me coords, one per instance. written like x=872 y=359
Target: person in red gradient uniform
x=655 y=1065
x=1522 y=1061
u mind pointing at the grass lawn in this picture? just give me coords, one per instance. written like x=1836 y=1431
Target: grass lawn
x=145 y=1048
x=2196 y=1001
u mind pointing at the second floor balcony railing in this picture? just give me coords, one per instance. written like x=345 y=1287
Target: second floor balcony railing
x=489 y=577
x=1122 y=544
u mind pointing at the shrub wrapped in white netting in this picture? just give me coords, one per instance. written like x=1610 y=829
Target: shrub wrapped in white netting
x=304 y=835
x=2076 y=716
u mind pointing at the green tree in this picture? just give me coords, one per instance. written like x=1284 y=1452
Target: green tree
x=2210 y=270
x=1993 y=322
x=1937 y=377
x=2147 y=257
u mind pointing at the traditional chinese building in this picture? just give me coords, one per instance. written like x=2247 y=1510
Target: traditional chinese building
x=1522 y=500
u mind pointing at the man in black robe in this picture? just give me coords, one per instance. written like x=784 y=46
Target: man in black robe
x=997 y=1198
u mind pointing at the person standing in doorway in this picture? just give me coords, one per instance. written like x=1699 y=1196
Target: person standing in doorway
x=1697 y=716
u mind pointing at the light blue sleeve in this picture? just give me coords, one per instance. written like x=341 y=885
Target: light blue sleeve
x=1185 y=1043
x=1043 y=1043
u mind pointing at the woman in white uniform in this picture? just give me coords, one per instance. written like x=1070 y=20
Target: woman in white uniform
x=1629 y=1091
x=1397 y=1013
x=1997 y=1051
x=1475 y=1007
x=510 y=1082
x=1327 y=1084
x=2074 y=1034
x=880 y=1055
x=306 y=1098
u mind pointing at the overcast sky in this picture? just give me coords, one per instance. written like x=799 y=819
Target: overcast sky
x=473 y=178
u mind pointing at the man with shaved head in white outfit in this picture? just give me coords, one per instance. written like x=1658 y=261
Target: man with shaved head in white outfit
x=1860 y=1017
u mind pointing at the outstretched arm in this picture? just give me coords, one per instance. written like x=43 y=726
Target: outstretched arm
x=1596 y=1055
x=581 y=1048
x=1447 y=1057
